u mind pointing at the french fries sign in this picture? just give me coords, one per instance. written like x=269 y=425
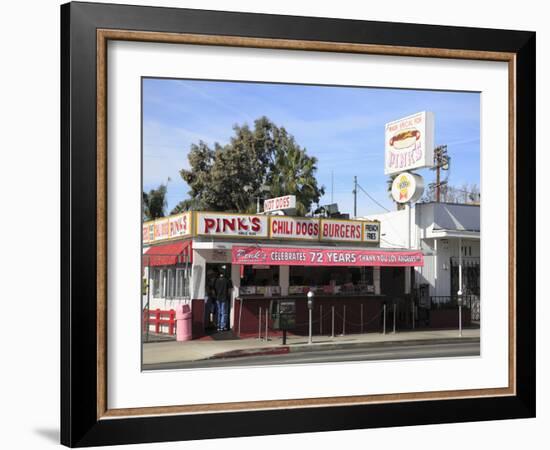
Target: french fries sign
x=409 y=143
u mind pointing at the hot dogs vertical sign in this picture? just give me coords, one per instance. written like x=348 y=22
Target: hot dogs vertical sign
x=409 y=143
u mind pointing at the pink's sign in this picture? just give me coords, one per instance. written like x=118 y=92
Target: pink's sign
x=294 y=256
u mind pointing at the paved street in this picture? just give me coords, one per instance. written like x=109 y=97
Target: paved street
x=222 y=345
x=370 y=353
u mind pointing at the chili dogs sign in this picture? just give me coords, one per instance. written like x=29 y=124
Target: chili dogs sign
x=409 y=143
x=232 y=225
x=284 y=227
x=292 y=256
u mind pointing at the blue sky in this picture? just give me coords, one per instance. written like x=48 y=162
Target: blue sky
x=342 y=126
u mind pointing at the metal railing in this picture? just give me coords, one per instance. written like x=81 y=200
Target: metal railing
x=451 y=301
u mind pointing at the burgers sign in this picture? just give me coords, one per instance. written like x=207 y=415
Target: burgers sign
x=409 y=143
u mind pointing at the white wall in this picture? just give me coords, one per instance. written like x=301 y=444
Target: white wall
x=393 y=228
x=445 y=249
x=198 y=278
x=30 y=162
x=436 y=271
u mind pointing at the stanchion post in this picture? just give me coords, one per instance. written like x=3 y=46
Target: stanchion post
x=320 y=320
x=361 y=318
x=260 y=323
x=384 y=320
x=344 y=322
x=240 y=316
x=332 y=320
x=394 y=316
x=412 y=313
x=266 y=322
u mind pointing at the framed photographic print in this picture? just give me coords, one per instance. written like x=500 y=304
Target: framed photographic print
x=249 y=199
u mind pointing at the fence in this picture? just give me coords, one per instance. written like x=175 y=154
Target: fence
x=159 y=318
x=345 y=316
x=451 y=301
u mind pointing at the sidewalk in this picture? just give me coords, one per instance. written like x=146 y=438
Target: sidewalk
x=170 y=352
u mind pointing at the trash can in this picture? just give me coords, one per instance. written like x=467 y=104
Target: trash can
x=183 y=323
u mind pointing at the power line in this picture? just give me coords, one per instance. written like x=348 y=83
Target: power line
x=369 y=196
x=392 y=243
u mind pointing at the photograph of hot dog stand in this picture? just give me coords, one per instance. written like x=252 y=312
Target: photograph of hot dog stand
x=276 y=264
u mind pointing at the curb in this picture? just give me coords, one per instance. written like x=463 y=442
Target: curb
x=262 y=351
x=303 y=348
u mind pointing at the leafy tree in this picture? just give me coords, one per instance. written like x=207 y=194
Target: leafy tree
x=185 y=205
x=154 y=203
x=292 y=172
x=254 y=162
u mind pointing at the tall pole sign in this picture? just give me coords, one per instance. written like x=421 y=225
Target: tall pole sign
x=409 y=143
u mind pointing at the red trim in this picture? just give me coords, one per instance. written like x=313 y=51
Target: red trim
x=168 y=254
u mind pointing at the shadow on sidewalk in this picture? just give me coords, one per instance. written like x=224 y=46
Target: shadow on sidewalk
x=213 y=335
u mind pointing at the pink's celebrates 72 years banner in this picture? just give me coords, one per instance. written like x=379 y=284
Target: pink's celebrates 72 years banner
x=305 y=256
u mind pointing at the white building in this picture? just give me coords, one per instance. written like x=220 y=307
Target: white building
x=449 y=236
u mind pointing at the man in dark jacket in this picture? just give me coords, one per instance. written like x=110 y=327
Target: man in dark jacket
x=211 y=317
x=222 y=288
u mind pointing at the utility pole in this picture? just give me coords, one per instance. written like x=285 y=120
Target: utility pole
x=437 y=183
x=355 y=196
x=441 y=160
x=332 y=186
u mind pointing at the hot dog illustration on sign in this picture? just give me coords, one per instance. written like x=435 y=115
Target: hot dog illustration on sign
x=409 y=143
x=405 y=139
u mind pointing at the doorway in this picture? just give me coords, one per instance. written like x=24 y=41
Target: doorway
x=213 y=271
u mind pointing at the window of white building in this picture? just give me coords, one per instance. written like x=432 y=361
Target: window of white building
x=171 y=282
